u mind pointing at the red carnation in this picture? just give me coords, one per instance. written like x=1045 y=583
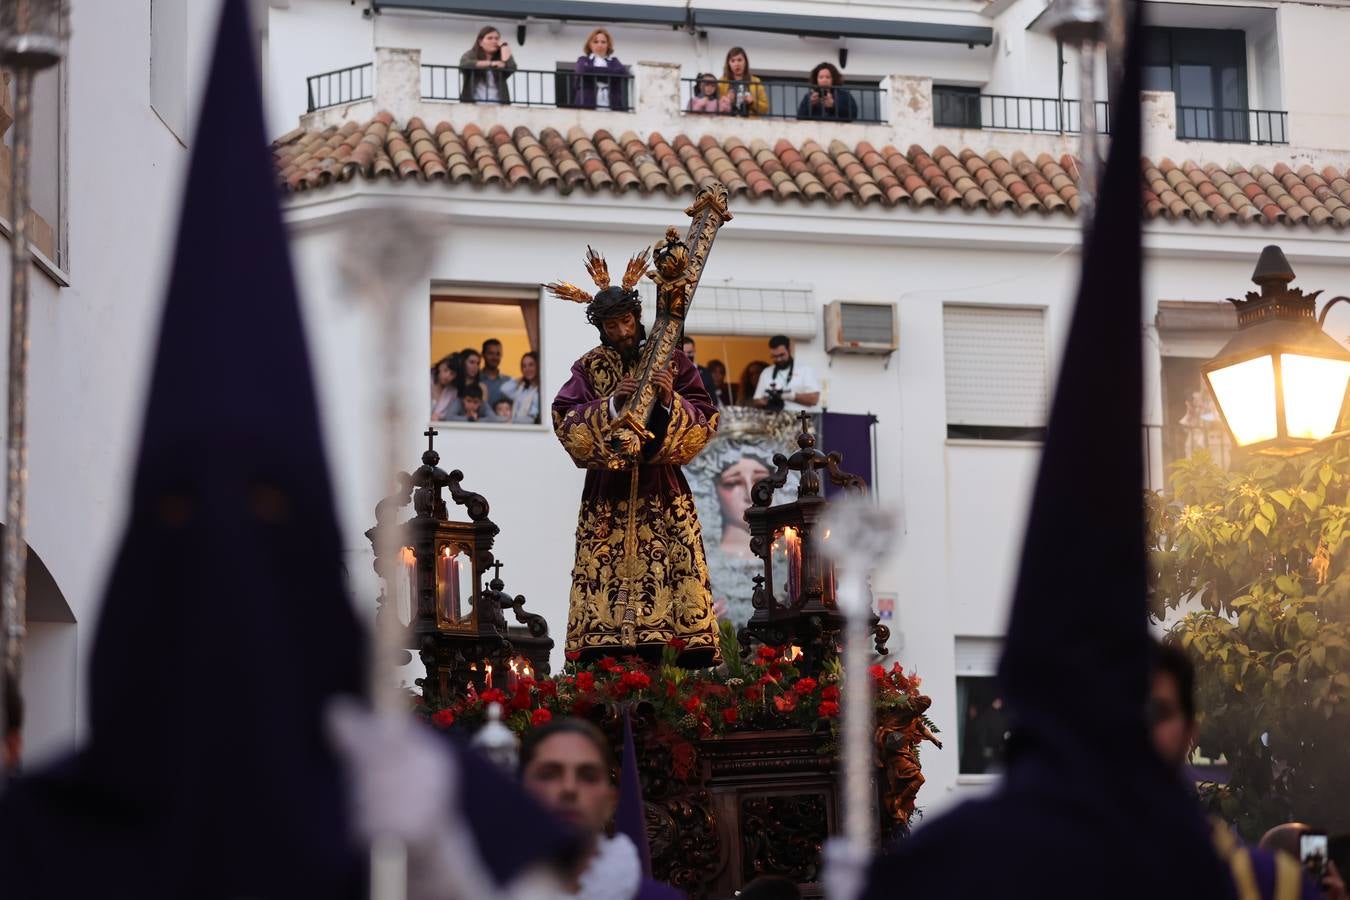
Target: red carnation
x=443 y=718
x=693 y=704
x=585 y=681
x=785 y=703
x=754 y=693
x=492 y=695
x=805 y=686
x=547 y=688
x=608 y=663
x=831 y=692
x=729 y=715
x=878 y=672
x=636 y=680
x=829 y=709
x=540 y=717
x=767 y=653
x=572 y=655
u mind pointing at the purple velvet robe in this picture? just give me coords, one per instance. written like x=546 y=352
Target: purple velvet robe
x=669 y=579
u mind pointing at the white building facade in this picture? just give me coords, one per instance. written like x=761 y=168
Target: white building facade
x=948 y=201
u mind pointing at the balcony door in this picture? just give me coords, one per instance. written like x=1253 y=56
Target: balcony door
x=1207 y=70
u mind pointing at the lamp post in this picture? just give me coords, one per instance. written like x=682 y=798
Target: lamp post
x=32 y=38
x=1280 y=382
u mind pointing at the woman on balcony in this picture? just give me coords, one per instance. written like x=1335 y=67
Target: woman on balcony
x=827 y=99
x=601 y=81
x=524 y=391
x=743 y=93
x=485 y=68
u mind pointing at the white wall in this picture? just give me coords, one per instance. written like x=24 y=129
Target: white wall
x=1315 y=68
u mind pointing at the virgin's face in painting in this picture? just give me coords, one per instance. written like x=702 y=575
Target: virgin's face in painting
x=733 y=491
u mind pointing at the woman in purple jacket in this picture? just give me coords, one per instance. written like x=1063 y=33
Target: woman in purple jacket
x=601 y=81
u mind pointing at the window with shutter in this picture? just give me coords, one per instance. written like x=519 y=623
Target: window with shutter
x=997 y=372
x=745 y=309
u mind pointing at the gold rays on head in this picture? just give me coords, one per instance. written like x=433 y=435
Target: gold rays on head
x=598 y=269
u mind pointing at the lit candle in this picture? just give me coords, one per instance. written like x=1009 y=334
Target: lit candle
x=487 y=674
x=794 y=562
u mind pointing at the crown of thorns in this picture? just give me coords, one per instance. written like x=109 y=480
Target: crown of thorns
x=609 y=301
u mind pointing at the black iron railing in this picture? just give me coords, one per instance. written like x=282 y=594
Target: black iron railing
x=960 y=108
x=528 y=87
x=341 y=86
x=783 y=99
x=1234 y=126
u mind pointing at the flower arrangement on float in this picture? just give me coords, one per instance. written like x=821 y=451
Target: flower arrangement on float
x=765 y=693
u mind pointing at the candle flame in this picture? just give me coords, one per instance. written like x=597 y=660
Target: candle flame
x=406 y=556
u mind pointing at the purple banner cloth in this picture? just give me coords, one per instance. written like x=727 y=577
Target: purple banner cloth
x=851 y=435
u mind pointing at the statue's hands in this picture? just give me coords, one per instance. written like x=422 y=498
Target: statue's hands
x=664 y=382
x=627 y=387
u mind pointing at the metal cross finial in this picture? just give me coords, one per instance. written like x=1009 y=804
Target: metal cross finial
x=804 y=418
x=430 y=435
x=497 y=570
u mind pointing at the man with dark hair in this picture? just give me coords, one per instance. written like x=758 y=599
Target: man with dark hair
x=1257 y=873
x=490 y=376
x=690 y=348
x=568 y=766
x=640 y=578
x=787 y=384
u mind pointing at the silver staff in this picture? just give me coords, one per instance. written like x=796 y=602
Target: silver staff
x=1082 y=23
x=385 y=257
x=32 y=38
x=862 y=533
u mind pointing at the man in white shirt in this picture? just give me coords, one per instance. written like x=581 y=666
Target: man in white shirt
x=787 y=384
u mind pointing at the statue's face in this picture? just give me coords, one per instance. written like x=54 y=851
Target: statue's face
x=621 y=332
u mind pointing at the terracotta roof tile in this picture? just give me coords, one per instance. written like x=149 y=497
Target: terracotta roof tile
x=810 y=171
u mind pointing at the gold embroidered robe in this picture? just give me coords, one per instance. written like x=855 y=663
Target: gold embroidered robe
x=668 y=584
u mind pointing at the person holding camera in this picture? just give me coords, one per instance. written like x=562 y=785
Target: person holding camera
x=741 y=93
x=787 y=384
x=827 y=100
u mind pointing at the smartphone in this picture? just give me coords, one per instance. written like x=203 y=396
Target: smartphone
x=1312 y=853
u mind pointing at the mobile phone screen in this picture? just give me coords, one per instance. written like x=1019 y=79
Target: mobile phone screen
x=1312 y=852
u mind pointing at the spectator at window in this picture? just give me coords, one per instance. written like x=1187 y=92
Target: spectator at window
x=717 y=376
x=601 y=80
x=827 y=100
x=745 y=389
x=524 y=391
x=705 y=99
x=502 y=409
x=466 y=376
x=444 y=396
x=491 y=378
x=689 y=348
x=485 y=68
x=743 y=92
x=789 y=386
x=471 y=399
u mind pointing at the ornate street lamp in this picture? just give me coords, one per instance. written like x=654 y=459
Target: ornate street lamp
x=794 y=600
x=32 y=38
x=1280 y=383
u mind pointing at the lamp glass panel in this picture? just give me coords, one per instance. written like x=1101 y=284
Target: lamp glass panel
x=1245 y=393
x=404 y=586
x=1314 y=391
x=454 y=585
x=786 y=557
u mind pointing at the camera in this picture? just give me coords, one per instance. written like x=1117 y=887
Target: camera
x=773 y=401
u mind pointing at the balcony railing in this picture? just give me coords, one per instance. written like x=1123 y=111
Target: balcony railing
x=1233 y=126
x=528 y=87
x=956 y=108
x=341 y=86
x=783 y=99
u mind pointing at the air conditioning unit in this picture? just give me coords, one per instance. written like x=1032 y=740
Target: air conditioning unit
x=865 y=328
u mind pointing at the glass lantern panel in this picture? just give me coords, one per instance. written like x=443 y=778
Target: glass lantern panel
x=454 y=586
x=1314 y=392
x=1245 y=393
x=405 y=586
x=786 y=560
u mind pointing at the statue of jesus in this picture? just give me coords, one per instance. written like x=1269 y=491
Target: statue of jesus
x=640 y=580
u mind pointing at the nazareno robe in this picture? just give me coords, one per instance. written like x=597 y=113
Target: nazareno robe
x=669 y=586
